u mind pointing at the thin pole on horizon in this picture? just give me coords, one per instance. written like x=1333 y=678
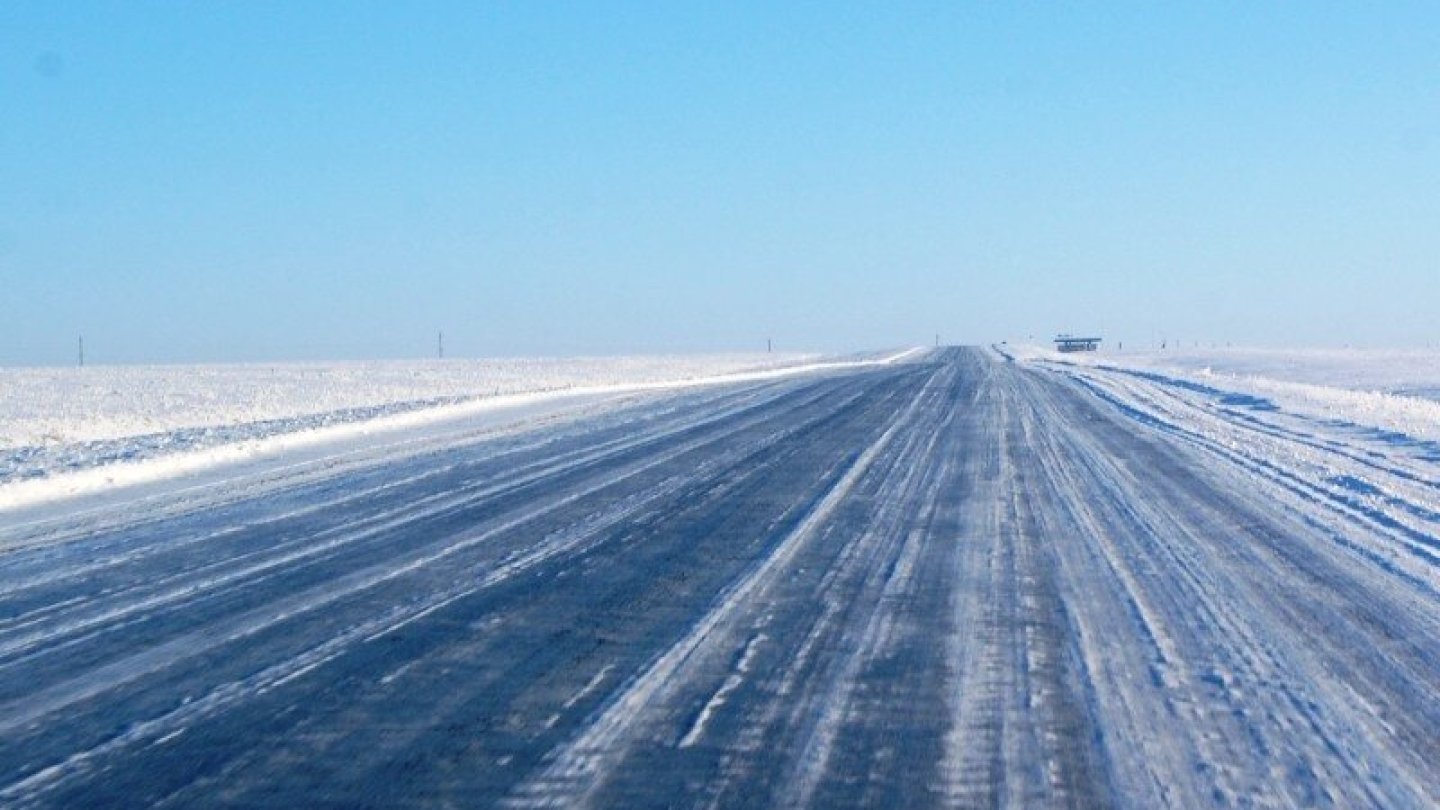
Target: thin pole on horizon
x=440 y=345
x=82 y=351
x=769 y=347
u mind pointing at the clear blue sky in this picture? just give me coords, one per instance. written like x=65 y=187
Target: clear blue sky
x=254 y=181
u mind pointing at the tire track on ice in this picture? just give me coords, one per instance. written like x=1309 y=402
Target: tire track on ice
x=304 y=544
x=26 y=713
x=819 y=410
x=576 y=771
x=187 y=585
x=1211 y=630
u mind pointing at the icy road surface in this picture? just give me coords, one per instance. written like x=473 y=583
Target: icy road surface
x=957 y=581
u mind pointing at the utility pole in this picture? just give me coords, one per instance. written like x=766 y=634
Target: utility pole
x=82 y=351
x=937 y=340
x=769 y=347
x=440 y=345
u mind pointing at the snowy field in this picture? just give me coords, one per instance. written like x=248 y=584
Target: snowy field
x=1412 y=372
x=1397 y=390
x=953 y=582
x=62 y=420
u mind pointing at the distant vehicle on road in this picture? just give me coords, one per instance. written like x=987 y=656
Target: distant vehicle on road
x=1070 y=343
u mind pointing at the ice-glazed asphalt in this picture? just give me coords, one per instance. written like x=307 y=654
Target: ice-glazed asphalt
x=956 y=581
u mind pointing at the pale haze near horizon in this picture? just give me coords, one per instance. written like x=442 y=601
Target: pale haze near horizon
x=190 y=183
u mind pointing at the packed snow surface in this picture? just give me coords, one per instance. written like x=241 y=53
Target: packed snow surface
x=1392 y=389
x=952 y=581
x=1413 y=372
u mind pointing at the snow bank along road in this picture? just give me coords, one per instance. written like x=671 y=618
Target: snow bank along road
x=956 y=581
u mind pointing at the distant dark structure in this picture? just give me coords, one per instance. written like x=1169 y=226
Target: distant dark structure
x=1070 y=343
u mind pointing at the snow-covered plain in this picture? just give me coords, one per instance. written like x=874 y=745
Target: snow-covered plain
x=55 y=406
x=1396 y=390
x=65 y=431
x=1413 y=372
x=57 y=420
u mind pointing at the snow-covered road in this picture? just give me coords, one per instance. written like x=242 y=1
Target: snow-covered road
x=954 y=581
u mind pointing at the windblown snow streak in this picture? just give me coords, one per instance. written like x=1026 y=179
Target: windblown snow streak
x=950 y=582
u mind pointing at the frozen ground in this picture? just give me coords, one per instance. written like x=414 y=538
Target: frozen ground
x=50 y=406
x=1396 y=390
x=56 y=421
x=1414 y=372
x=951 y=581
